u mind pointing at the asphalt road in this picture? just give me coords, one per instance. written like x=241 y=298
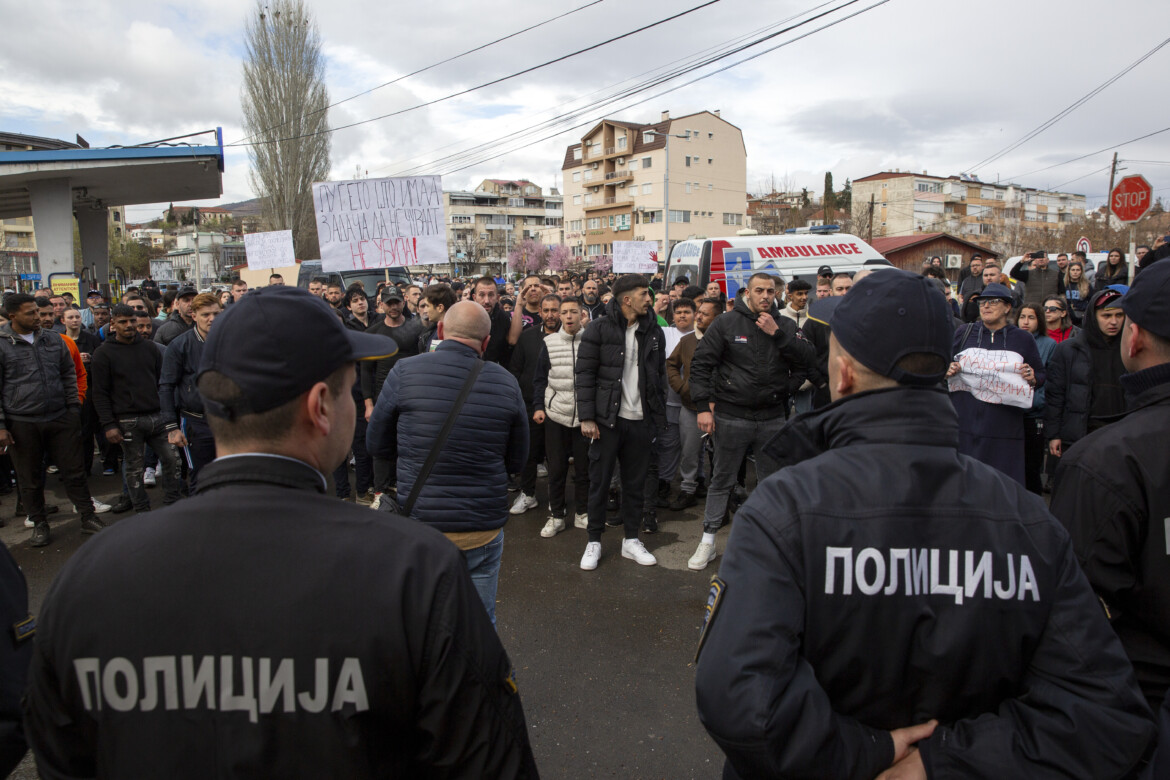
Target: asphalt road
x=604 y=659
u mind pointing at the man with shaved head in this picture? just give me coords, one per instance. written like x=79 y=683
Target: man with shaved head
x=465 y=493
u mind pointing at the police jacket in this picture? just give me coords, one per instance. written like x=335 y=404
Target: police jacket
x=1111 y=493
x=600 y=361
x=16 y=644
x=38 y=381
x=880 y=579
x=177 y=390
x=743 y=370
x=468 y=488
x=275 y=632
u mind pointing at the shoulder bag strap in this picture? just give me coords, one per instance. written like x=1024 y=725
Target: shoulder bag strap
x=441 y=439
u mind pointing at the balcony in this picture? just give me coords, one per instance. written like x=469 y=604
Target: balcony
x=616 y=176
x=494 y=226
x=609 y=203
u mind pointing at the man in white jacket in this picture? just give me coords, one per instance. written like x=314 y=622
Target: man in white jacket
x=554 y=401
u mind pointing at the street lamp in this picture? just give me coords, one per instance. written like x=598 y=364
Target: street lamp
x=666 y=190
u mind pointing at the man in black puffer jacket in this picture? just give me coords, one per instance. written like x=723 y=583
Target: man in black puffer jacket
x=739 y=383
x=1084 y=376
x=621 y=402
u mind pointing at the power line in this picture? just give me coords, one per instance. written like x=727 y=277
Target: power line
x=492 y=82
x=704 y=76
x=1070 y=181
x=608 y=98
x=1062 y=114
x=429 y=67
x=1090 y=154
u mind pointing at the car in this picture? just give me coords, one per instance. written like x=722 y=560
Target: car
x=370 y=277
x=731 y=261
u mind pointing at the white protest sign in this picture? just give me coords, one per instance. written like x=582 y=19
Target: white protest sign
x=380 y=223
x=992 y=376
x=635 y=257
x=269 y=250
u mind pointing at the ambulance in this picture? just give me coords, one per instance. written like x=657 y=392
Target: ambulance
x=731 y=261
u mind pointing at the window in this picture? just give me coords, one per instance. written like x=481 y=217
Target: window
x=646 y=162
x=710 y=187
x=577 y=153
x=117 y=216
x=621 y=142
x=732 y=219
x=688 y=187
x=575 y=224
x=633 y=165
x=576 y=200
x=594 y=223
x=710 y=136
x=516 y=202
x=928 y=186
x=647 y=189
x=578 y=251
x=594 y=250
x=589 y=175
x=589 y=199
x=461 y=220
x=680 y=216
x=576 y=176
x=611 y=221
x=710 y=160
x=623 y=222
x=647 y=137
x=651 y=217
x=688 y=161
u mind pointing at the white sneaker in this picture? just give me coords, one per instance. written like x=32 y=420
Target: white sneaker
x=99 y=507
x=581 y=520
x=636 y=551
x=148 y=477
x=553 y=527
x=591 y=557
x=523 y=504
x=377 y=502
x=28 y=522
x=704 y=555
x=541 y=471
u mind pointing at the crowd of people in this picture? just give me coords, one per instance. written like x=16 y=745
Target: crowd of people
x=658 y=395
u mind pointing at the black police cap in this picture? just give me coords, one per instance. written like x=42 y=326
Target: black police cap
x=277 y=342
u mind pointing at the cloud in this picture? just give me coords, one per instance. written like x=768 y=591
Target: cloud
x=914 y=84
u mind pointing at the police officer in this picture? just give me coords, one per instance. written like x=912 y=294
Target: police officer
x=16 y=644
x=887 y=605
x=262 y=628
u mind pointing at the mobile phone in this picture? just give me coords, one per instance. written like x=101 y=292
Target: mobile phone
x=1037 y=255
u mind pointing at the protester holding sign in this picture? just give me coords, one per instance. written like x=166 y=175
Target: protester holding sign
x=995 y=371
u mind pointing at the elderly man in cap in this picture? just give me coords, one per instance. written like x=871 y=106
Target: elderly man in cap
x=990 y=401
x=888 y=606
x=275 y=631
x=1111 y=490
x=181 y=319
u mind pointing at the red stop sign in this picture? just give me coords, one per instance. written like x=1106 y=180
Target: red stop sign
x=1131 y=198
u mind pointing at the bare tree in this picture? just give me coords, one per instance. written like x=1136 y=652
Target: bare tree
x=284 y=101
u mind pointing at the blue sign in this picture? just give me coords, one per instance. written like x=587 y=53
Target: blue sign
x=30 y=277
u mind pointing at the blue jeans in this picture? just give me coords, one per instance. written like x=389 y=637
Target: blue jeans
x=483 y=564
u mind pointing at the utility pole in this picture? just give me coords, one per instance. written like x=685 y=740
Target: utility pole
x=1109 y=196
x=666 y=191
x=869 y=237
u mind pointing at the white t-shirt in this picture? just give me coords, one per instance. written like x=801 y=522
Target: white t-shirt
x=27 y=336
x=631 y=406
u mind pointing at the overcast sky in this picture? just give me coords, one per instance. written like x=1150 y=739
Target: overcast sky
x=912 y=84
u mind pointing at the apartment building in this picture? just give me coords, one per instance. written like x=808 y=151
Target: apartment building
x=906 y=203
x=616 y=179
x=483 y=225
